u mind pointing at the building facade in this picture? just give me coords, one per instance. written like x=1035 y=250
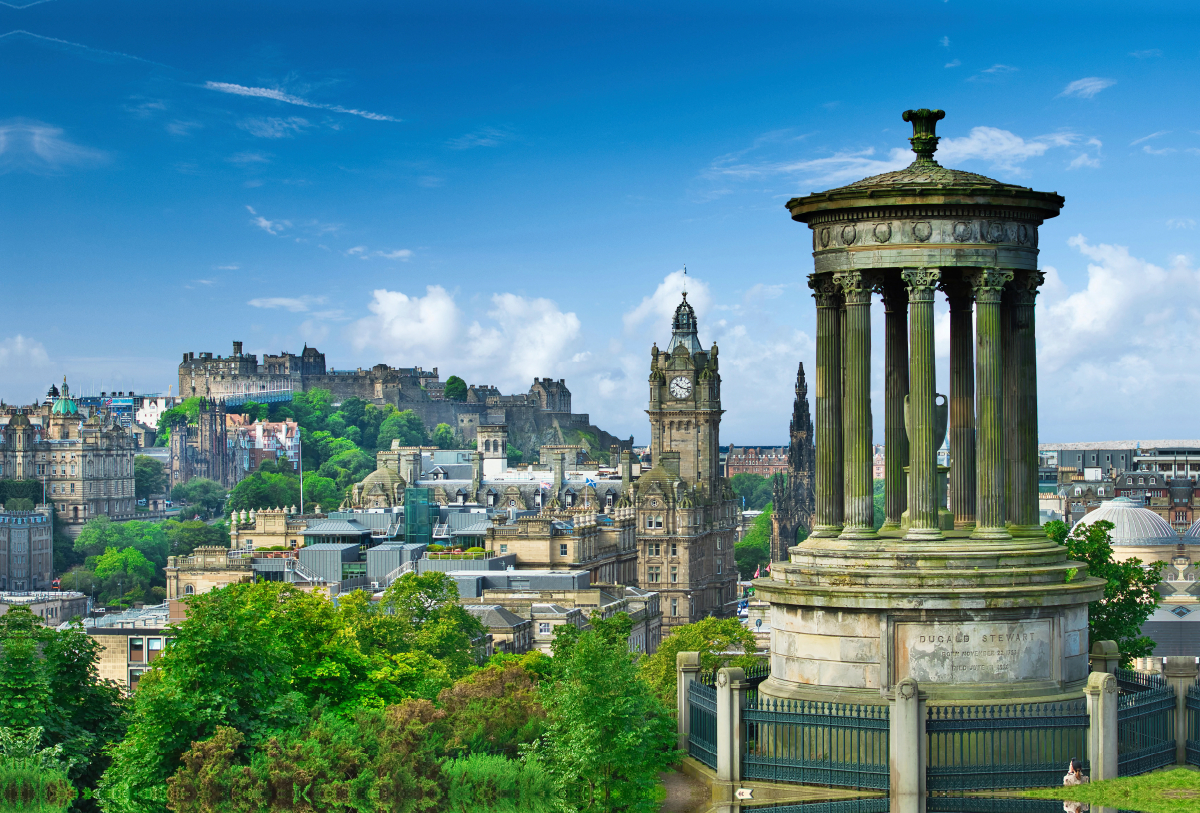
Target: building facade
x=687 y=513
x=26 y=550
x=85 y=463
x=765 y=461
x=206 y=448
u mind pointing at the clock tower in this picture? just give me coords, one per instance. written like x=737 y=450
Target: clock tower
x=685 y=402
x=686 y=511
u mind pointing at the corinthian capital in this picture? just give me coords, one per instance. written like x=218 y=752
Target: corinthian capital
x=1024 y=288
x=921 y=283
x=825 y=291
x=989 y=283
x=856 y=286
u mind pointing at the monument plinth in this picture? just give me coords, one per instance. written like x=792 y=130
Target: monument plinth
x=989 y=609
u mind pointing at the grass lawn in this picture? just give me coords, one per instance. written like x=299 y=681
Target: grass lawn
x=1174 y=791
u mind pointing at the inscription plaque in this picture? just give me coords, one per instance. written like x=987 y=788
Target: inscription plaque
x=996 y=652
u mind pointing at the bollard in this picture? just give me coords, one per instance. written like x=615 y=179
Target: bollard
x=907 y=747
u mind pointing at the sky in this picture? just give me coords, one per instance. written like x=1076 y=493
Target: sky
x=510 y=191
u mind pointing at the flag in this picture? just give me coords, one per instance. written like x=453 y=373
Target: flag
x=545 y=484
x=757 y=571
x=768 y=568
x=589 y=481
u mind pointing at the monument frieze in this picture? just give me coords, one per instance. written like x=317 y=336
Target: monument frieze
x=973 y=652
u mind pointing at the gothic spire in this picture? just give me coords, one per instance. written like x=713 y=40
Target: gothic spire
x=683 y=329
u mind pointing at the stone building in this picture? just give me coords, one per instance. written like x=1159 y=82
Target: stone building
x=206 y=448
x=603 y=544
x=765 y=461
x=687 y=514
x=206 y=568
x=131 y=641
x=26 y=550
x=792 y=497
x=84 y=463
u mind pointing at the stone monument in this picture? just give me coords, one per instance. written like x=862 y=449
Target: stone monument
x=985 y=607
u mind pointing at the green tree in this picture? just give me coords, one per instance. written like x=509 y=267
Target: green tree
x=754 y=549
x=185 y=412
x=405 y=426
x=493 y=710
x=428 y=602
x=203 y=496
x=607 y=735
x=712 y=638
x=265 y=489
x=877 y=501
x=184 y=537
x=79 y=579
x=443 y=436
x=149 y=477
x=754 y=489
x=1130 y=591
x=128 y=562
x=456 y=389
x=515 y=455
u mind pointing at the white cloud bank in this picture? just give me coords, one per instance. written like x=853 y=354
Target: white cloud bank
x=42 y=149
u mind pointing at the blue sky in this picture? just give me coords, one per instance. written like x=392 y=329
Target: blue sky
x=510 y=193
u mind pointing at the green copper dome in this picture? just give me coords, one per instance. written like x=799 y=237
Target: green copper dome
x=64 y=404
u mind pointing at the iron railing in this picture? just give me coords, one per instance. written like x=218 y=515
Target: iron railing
x=702 y=723
x=985 y=804
x=1193 y=724
x=816 y=743
x=1145 y=723
x=1023 y=745
x=876 y=804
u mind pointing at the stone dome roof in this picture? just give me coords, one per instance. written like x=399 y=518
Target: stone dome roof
x=385 y=477
x=64 y=406
x=1193 y=532
x=1133 y=524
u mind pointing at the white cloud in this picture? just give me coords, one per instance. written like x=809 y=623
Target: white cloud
x=1107 y=344
x=182 y=128
x=1181 y=223
x=1084 y=160
x=945 y=41
x=287 y=98
x=1146 y=148
x=249 y=158
x=992 y=73
x=1087 y=87
x=364 y=253
x=226 y=267
x=1001 y=148
x=271 y=127
x=31 y=146
x=485 y=137
x=293 y=304
x=269 y=226
x=397 y=254
x=20 y=351
x=954 y=63
x=1137 y=141
x=1147 y=54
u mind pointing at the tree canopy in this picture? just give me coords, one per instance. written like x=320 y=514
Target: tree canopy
x=149 y=477
x=203 y=496
x=754 y=549
x=1130 y=591
x=754 y=489
x=456 y=389
x=712 y=638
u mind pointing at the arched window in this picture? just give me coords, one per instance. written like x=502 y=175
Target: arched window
x=1078 y=491
x=188 y=590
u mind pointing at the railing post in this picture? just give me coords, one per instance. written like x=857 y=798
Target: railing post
x=907 y=749
x=1105 y=657
x=1101 y=694
x=1180 y=673
x=731 y=685
x=687 y=669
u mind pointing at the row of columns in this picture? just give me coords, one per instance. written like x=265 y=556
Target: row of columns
x=992 y=403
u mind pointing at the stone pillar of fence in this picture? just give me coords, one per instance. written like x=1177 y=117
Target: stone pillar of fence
x=1180 y=673
x=687 y=669
x=731 y=698
x=1105 y=657
x=1101 y=694
x=907 y=747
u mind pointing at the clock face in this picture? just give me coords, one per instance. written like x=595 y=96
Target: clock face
x=681 y=387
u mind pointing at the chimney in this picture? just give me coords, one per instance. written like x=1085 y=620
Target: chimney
x=237 y=348
x=626 y=470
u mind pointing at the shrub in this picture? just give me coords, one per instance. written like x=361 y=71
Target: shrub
x=474 y=550
x=435 y=548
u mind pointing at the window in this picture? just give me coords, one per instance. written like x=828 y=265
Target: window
x=1078 y=491
x=562 y=549
x=720 y=567
x=543 y=628
x=1151 y=481
x=674 y=549
x=1141 y=481
x=718 y=543
x=658 y=521
x=188 y=590
x=674 y=606
x=137 y=652
x=153 y=648
x=674 y=574
x=503 y=549
x=649 y=521
x=652 y=573
x=653 y=549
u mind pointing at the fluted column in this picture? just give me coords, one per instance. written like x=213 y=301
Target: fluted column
x=895 y=389
x=1023 y=464
x=989 y=386
x=960 y=296
x=922 y=444
x=859 y=519
x=828 y=514
x=1010 y=404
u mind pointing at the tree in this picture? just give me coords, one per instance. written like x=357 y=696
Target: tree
x=184 y=537
x=201 y=493
x=265 y=489
x=443 y=436
x=712 y=638
x=515 y=455
x=456 y=389
x=607 y=735
x=494 y=710
x=405 y=427
x=128 y=562
x=188 y=411
x=877 y=500
x=753 y=488
x=753 y=551
x=149 y=477
x=1130 y=594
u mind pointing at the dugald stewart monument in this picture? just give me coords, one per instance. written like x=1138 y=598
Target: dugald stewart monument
x=969 y=599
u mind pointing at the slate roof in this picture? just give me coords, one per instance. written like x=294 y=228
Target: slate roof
x=494 y=616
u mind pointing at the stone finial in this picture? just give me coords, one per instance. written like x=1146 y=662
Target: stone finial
x=924 y=140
